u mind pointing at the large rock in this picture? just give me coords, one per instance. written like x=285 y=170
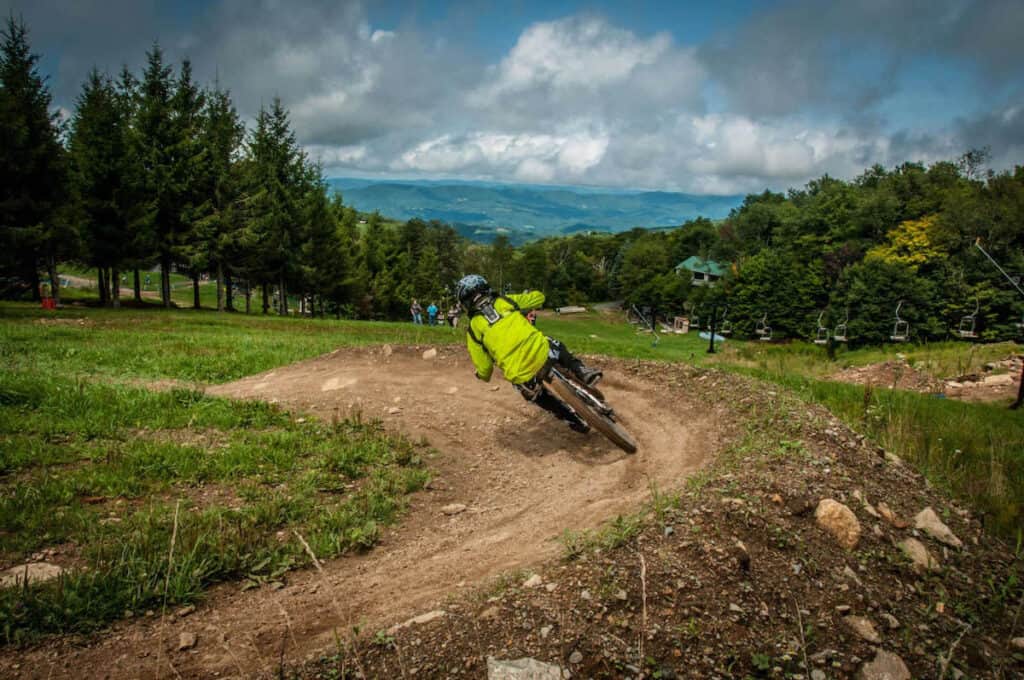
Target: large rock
x=885 y=666
x=838 y=520
x=523 y=669
x=430 y=354
x=33 y=572
x=928 y=522
x=919 y=555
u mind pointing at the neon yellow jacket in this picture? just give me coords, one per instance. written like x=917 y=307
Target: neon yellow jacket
x=519 y=349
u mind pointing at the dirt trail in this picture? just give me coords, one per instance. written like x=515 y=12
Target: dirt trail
x=523 y=476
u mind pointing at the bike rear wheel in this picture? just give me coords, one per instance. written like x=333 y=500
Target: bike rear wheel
x=597 y=420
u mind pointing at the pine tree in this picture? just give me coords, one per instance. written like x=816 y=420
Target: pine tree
x=141 y=244
x=32 y=166
x=325 y=259
x=214 y=242
x=155 y=146
x=274 y=187
x=100 y=178
x=189 y=179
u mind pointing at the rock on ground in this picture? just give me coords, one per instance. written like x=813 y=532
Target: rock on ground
x=838 y=520
x=928 y=522
x=863 y=627
x=919 y=555
x=453 y=508
x=33 y=572
x=416 y=620
x=885 y=666
x=430 y=354
x=533 y=581
x=523 y=669
x=186 y=641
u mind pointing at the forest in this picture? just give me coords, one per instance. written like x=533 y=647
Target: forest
x=156 y=172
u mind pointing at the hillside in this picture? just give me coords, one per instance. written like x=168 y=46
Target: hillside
x=479 y=210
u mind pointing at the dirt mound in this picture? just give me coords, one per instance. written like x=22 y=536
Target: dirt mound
x=999 y=382
x=509 y=479
x=890 y=374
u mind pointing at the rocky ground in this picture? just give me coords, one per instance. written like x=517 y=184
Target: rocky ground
x=802 y=552
x=999 y=381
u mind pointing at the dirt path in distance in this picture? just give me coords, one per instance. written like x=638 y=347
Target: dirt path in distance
x=523 y=477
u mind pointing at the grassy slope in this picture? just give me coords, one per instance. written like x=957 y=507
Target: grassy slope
x=69 y=439
x=93 y=465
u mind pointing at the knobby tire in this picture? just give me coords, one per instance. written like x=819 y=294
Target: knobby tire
x=603 y=424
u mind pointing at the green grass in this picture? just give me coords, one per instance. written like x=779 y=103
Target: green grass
x=189 y=345
x=91 y=461
x=98 y=466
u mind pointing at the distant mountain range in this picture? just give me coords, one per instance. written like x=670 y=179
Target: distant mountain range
x=481 y=210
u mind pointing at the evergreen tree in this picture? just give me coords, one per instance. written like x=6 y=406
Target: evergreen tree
x=32 y=167
x=275 y=186
x=100 y=180
x=189 y=177
x=214 y=243
x=156 y=146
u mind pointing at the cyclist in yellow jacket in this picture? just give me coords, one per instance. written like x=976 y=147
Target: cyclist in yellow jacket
x=499 y=333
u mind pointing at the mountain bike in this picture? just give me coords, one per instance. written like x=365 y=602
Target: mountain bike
x=589 y=404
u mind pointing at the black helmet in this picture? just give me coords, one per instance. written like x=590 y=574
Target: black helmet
x=469 y=288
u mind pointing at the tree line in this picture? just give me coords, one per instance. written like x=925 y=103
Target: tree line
x=831 y=248
x=153 y=170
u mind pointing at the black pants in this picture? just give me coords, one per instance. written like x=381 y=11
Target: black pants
x=534 y=390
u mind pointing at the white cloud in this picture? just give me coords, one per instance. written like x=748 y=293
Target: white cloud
x=540 y=157
x=576 y=100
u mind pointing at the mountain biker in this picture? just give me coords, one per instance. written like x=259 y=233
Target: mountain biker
x=499 y=333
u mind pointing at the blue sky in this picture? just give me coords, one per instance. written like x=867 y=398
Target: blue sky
x=724 y=97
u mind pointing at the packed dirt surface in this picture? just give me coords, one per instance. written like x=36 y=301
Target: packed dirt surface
x=508 y=481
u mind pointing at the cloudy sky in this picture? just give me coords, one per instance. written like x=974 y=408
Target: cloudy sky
x=742 y=96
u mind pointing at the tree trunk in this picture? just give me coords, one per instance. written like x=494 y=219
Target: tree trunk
x=51 y=265
x=248 y=297
x=266 y=298
x=138 y=286
x=229 y=294
x=165 y=280
x=101 y=274
x=220 y=287
x=283 y=292
x=115 y=281
x=195 y=290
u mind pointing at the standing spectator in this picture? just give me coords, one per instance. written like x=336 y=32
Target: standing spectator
x=417 y=312
x=453 y=316
x=432 y=314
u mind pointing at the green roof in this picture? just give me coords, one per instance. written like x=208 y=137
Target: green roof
x=699 y=264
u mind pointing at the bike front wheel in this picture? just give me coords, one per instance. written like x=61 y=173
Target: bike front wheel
x=597 y=420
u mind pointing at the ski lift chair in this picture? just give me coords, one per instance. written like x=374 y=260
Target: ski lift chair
x=839 y=334
x=968 y=323
x=821 y=335
x=900 y=328
x=763 y=330
x=726 y=326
